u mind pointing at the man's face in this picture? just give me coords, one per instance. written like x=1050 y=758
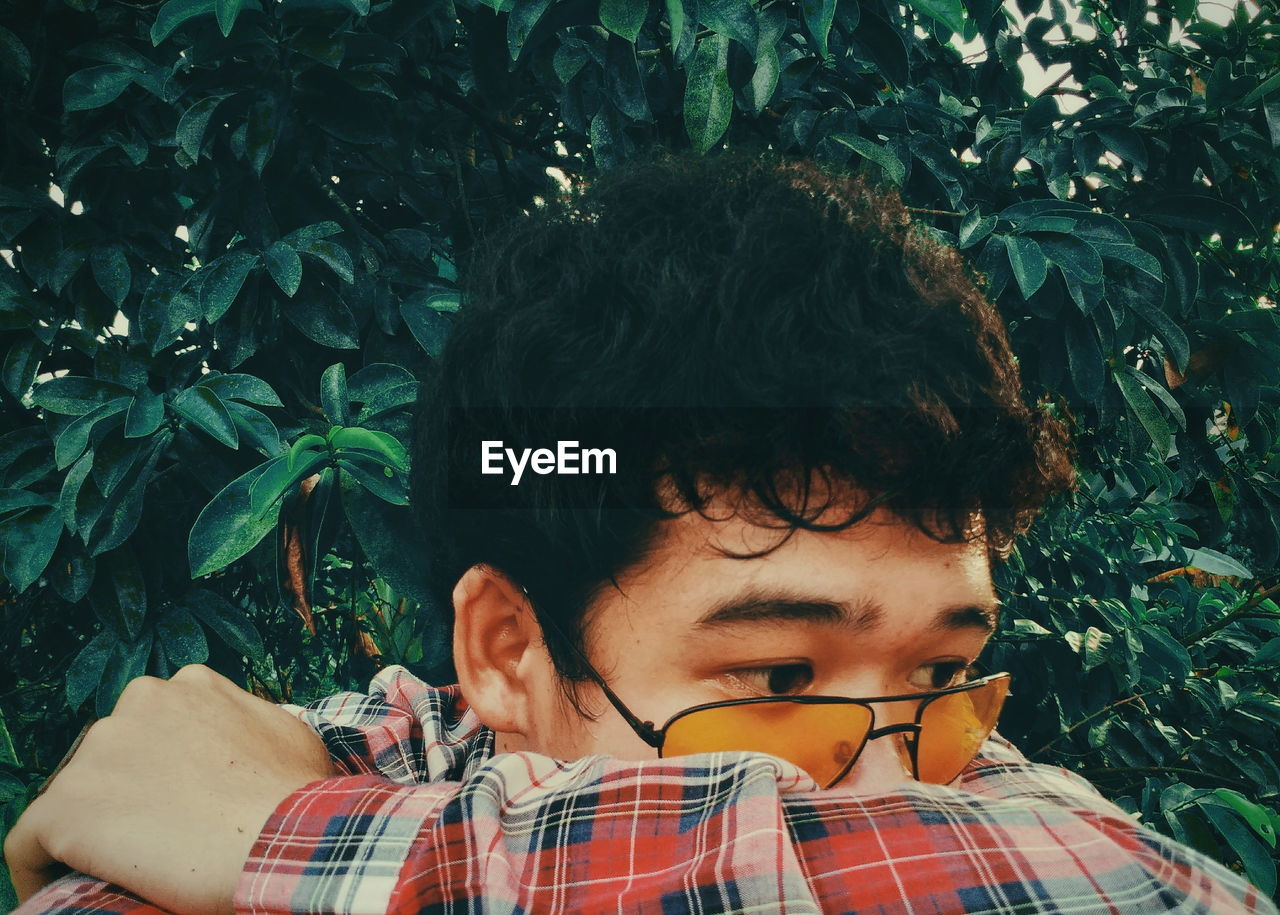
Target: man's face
x=877 y=609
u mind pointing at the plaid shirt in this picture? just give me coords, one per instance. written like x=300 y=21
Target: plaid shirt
x=429 y=820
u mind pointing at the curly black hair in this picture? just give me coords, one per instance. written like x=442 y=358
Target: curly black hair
x=742 y=323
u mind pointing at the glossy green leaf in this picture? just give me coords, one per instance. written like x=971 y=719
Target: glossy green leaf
x=1084 y=357
x=874 y=152
x=327 y=323
x=383 y=482
x=708 y=100
x=74 y=396
x=23 y=457
x=1072 y=256
x=1198 y=213
x=949 y=13
x=428 y=326
x=74 y=438
x=167 y=308
x=303 y=447
x=194 y=123
x=122 y=509
x=255 y=428
x=226 y=528
x=333 y=394
x=127 y=662
x=285 y=267
x=227 y=621
x=1259 y=866
x=174 y=13
x=974 y=227
x=119 y=594
x=676 y=21
x=85 y=672
x=1093 y=645
x=764 y=81
x=1257 y=816
x=226 y=279
x=111 y=272
x=736 y=19
x=238 y=386
x=1264 y=90
x=281 y=477
x=521 y=21
x=818 y=16
x=202 y=406
x=226 y=12
x=624 y=18
x=1216 y=563
x=1150 y=417
x=1162 y=395
x=396 y=397
x=71 y=503
x=145 y=414
x=22 y=365
x=388 y=534
x=28 y=540
x=183 y=639
x=262 y=132
x=378 y=443
x=334 y=256
x=17 y=59
x=1030 y=268
x=375 y=378
x=94 y=87
x=71 y=570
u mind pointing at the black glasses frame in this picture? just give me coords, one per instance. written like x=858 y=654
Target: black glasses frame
x=656 y=737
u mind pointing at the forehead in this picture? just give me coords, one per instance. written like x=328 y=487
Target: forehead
x=882 y=569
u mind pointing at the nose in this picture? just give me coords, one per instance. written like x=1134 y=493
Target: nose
x=883 y=765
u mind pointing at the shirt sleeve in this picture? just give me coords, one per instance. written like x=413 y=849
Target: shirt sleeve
x=78 y=893
x=711 y=833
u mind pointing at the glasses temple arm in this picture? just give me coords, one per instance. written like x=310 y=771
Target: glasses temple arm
x=644 y=729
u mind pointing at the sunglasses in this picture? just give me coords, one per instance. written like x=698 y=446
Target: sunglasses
x=825 y=735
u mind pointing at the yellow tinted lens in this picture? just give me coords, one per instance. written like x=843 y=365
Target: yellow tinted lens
x=953 y=727
x=819 y=738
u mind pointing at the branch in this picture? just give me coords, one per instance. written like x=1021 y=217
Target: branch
x=933 y=212
x=1102 y=711
x=1244 y=611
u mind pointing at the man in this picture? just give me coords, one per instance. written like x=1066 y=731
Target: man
x=730 y=675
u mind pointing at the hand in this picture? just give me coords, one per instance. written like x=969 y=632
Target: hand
x=166 y=796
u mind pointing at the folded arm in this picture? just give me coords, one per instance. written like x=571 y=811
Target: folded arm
x=424 y=820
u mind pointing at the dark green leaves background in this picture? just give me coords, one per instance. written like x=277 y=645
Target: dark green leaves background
x=212 y=329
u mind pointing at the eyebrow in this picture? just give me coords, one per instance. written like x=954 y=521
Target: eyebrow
x=860 y=614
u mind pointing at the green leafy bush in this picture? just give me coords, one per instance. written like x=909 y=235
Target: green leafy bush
x=230 y=228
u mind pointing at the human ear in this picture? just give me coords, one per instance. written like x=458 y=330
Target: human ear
x=496 y=646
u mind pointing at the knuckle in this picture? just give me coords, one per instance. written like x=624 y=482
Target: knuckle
x=138 y=691
x=195 y=673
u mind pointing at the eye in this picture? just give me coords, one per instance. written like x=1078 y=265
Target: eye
x=939 y=674
x=778 y=680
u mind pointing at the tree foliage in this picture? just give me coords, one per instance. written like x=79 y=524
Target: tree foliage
x=213 y=324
